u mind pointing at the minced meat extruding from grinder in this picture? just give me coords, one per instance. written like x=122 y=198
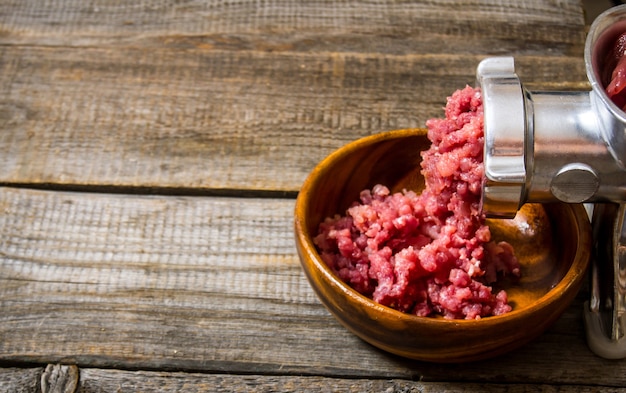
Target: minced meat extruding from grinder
x=428 y=254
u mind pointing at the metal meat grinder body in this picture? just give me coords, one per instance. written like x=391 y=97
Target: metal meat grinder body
x=569 y=147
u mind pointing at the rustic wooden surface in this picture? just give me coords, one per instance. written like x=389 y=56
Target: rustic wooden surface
x=150 y=154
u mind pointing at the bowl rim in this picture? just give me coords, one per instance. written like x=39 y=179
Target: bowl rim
x=574 y=274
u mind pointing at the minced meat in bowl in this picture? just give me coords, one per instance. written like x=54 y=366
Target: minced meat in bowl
x=549 y=274
x=429 y=253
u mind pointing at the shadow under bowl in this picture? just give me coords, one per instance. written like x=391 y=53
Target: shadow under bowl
x=551 y=241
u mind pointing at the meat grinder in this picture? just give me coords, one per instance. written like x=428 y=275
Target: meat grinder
x=543 y=146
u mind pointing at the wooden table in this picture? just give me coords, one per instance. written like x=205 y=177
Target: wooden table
x=150 y=156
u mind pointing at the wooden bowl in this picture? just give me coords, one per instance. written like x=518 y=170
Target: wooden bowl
x=551 y=241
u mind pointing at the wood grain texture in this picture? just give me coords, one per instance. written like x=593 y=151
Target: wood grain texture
x=97 y=381
x=245 y=95
x=380 y=26
x=20 y=380
x=179 y=283
x=235 y=98
x=110 y=380
x=59 y=378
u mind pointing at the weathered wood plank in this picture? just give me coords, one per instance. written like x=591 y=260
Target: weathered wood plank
x=529 y=26
x=97 y=380
x=207 y=284
x=20 y=380
x=213 y=120
x=245 y=95
x=108 y=380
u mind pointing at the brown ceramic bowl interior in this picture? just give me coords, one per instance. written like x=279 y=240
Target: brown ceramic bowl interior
x=552 y=242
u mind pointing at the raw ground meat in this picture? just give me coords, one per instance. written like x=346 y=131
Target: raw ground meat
x=427 y=254
x=614 y=72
